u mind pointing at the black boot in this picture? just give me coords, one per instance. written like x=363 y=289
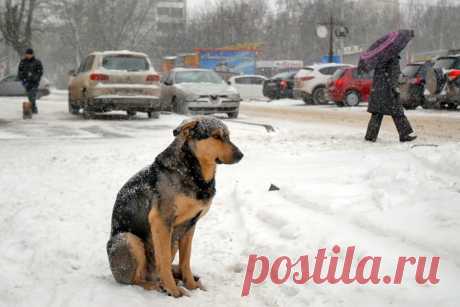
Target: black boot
x=369 y=139
x=408 y=138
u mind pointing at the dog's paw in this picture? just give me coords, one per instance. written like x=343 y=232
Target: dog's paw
x=151 y=286
x=195 y=284
x=176 y=292
x=192 y=285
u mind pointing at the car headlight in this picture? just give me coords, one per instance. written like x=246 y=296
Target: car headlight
x=235 y=96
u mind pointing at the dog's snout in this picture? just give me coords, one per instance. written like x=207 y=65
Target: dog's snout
x=237 y=155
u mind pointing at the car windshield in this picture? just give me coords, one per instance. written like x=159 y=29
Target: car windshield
x=445 y=63
x=338 y=74
x=282 y=76
x=125 y=62
x=411 y=71
x=198 y=76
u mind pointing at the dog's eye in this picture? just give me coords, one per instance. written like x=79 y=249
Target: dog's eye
x=217 y=137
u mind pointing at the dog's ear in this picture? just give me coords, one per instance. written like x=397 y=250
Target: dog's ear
x=185 y=128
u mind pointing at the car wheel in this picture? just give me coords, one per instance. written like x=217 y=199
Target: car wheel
x=73 y=109
x=308 y=100
x=319 y=95
x=180 y=106
x=352 y=99
x=153 y=115
x=233 y=115
x=88 y=113
x=131 y=113
x=451 y=106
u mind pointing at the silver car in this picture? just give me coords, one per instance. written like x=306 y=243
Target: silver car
x=10 y=86
x=199 y=91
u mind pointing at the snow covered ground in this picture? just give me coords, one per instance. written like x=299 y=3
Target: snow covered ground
x=59 y=176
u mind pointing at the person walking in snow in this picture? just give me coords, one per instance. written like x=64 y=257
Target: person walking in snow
x=30 y=72
x=385 y=100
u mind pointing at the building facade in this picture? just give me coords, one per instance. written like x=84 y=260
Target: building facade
x=170 y=15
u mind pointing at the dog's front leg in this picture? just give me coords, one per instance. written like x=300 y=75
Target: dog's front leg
x=161 y=235
x=185 y=253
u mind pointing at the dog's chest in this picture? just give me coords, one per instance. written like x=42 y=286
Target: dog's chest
x=188 y=208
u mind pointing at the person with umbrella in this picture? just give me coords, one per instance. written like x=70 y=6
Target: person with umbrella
x=383 y=57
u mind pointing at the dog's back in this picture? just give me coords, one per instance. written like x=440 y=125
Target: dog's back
x=133 y=203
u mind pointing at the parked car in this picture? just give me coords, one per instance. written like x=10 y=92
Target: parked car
x=310 y=82
x=249 y=86
x=115 y=80
x=442 y=87
x=349 y=88
x=199 y=91
x=280 y=86
x=10 y=86
x=413 y=80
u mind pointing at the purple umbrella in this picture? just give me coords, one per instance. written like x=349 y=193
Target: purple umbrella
x=385 y=49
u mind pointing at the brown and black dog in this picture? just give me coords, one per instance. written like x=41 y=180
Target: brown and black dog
x=26 y=110
x=156 y=211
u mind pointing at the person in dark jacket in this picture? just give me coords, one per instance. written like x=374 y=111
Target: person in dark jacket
x=30 y=72
x=385 y=100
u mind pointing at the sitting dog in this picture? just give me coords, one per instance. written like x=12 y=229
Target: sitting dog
x=26 y=110
x=156 y=211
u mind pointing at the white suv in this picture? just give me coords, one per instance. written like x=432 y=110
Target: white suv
x=115 y=80
x=311 y=81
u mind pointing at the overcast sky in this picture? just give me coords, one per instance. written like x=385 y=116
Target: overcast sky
x=196 y=4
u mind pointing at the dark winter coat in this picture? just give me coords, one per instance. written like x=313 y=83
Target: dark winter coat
x=384 y=97
x=30 y=72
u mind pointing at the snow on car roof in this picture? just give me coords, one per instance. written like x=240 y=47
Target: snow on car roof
x=324 y=65
x=118 y=52
x=248 y=76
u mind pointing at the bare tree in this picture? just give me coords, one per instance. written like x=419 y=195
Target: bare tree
x=16 y=19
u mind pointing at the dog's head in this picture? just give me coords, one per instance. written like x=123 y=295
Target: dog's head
x=209 y=140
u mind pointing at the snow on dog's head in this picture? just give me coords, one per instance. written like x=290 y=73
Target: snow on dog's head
x=201 y=126
x=209 y=140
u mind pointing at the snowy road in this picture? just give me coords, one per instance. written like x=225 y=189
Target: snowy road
x=59 y=176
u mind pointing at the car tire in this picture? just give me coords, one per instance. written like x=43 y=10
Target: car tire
x=131 y=113
x=73 y=109
x=179 y=106
x=410 y=107
x=233 y=115
x=88 y=113
x=352 y=99
x=319 y=95
x=153 y=115
x=308 y=100
x=451 y=106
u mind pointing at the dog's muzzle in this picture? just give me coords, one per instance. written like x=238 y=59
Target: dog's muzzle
x=237 y=155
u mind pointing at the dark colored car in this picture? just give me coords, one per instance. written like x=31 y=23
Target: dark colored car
x=280 y=86
x=443 y=83
x=413 y=81
x=349 y=88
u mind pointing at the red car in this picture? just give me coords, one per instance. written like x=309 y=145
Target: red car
x=348 y=88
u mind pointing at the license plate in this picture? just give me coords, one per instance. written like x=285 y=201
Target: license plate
x=431 y=98
x=129 y=93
